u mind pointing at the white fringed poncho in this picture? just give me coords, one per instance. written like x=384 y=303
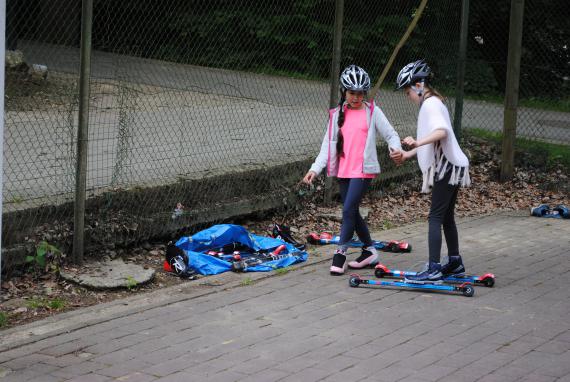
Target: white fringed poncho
x=434 y=115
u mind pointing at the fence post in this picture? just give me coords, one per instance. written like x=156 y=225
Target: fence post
x=2 y=69
x=459 y=93
x=335 y=72
x=512 y=89
x=82 y=131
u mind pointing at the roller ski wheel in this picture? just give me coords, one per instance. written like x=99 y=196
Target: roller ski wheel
x=354 y=281
x=468 y=291
x=380 y=271
x=488 y=280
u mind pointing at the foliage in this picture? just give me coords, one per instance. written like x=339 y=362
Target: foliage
x=35 y=303
x=479 y=80
x=246 y=281
x=56 y=304
x=131 y=282
x=3 y=319
x=44 y=251
x=545 y=54
x=41 y=303
x=296 y=37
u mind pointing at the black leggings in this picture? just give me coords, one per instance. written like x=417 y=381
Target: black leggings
x=443 y=200
x=352 y=191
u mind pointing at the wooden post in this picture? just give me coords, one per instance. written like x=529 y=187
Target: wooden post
x=335 y=75
x=512 y=89
x=2 y=70
x=82 y=132
x=459 y=90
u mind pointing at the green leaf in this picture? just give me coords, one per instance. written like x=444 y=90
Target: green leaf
x=41 y=260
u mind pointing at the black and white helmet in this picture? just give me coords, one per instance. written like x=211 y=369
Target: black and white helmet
x=416 y=71
x=178 y=265
x=178 y=261
x=354 y=78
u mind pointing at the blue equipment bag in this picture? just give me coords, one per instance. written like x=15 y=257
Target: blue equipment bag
x=220 y=235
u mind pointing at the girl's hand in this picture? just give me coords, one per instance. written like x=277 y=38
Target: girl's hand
x=410 y=141
x=397 y=156
x=309 y=177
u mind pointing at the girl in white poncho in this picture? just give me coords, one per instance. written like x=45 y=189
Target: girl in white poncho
x=444 y=168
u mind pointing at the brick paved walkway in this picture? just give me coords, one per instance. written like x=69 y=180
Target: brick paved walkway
x=308 y=326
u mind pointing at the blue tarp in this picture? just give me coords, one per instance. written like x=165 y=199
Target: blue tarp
x=222 y=234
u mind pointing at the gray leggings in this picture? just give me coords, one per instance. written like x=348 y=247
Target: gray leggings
x=441 y=213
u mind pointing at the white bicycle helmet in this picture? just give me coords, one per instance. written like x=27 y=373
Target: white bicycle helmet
x=416 y=71
x=354 y=78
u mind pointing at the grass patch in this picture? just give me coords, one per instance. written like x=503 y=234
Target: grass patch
x=56 y=304
x=546 y=104
x=131 y=282
x=35 y=303
x=553 y=153
x=3 y=319
x=41 y=303
x=387 y=224
x=562 y=105
x=281 y=271
x=246 y=281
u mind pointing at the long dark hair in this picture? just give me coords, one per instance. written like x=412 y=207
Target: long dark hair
x=340 y=138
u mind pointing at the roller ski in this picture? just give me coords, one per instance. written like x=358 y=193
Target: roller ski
x=465 y=289
x=240 y=262
x=385 y=246
x=488 y=279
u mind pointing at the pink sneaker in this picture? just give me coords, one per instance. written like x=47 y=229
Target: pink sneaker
x=339 y=263
x=368 y=257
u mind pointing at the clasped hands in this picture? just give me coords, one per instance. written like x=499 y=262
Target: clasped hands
x=399 y=156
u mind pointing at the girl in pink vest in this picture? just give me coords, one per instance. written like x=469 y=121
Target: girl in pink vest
x=348 y=152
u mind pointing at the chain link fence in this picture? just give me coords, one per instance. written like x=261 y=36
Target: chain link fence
x=544 y=76
x=205 y=110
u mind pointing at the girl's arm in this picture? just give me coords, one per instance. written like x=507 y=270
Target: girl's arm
x=321 y=160
x=436 y=135
x=384 y=128
x=323 y=157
